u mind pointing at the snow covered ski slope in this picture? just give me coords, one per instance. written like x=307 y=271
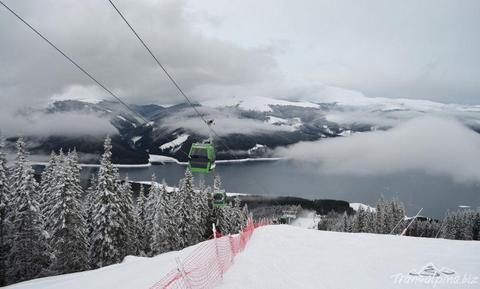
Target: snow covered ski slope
x=283 y=256
x=290 y=257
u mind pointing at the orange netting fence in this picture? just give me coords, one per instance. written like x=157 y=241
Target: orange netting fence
x=205 y=266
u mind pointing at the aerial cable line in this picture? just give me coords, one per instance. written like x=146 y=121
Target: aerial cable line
x=75 y=64
x=177 y=86
x=146 y=122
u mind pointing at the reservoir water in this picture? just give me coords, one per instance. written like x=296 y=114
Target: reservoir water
x=435 y=193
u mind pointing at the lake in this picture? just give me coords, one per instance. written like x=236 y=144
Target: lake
x=436 y=194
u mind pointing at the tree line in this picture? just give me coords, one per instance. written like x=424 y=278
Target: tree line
x=388 y=217
x=56 y=226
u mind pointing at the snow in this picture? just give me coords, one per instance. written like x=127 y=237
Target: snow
x=134 y=272
x=122 y=118
x=247 y=160
x=167 y=159
x=276 y=120
x=164 y=159
x=262 y=104
x=346 y=133
x=306 y=220
x=327 y=129
x=156 y=184
x=89 y=94
x=283 y=256
x=295 y=122
x=357 y=206
x=136 y=138
x=176 y=143
x=235 y=194
x=98 y=165
x=290 y=257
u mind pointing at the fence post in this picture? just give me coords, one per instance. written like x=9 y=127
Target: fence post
x=220 y=266
x=232 y=250
x=182 y=271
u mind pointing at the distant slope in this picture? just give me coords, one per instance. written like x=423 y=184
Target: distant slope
x=284 y=256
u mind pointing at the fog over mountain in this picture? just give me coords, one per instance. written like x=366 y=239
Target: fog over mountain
x=431 y=144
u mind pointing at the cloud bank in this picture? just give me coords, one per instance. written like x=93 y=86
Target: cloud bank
x=64 y=124
x=431 y=144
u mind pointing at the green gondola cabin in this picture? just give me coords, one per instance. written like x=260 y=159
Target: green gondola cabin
x=219 y=199
x=201 y=158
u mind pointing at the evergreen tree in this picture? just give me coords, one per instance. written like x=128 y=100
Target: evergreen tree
x=28 y=254
x=160 y=221
x=88 y=205
x=359 y=221
x=202 y=228
x=239 y=219
x=346 y=227
x=476 y=227
x=52 y=181
x=47 y=183
x=128 y=218
x=19 y=166
x=68 y=241
x=108 y=226
x=388 y=218
x=380 y=217
x=369 y=221
x=188 y=217
x=151 y=214
x=5 y=211
x=142 y=224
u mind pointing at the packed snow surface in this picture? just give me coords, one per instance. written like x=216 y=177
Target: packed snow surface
x=283 y=256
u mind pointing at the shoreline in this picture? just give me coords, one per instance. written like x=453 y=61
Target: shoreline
x=161 y=160
x=98 y=165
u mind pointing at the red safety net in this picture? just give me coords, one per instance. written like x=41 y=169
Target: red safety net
x=205 y=266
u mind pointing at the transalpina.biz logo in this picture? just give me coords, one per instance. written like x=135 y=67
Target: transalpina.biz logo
x=431 y=275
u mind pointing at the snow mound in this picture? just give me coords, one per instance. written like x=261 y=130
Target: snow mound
x=283 y=256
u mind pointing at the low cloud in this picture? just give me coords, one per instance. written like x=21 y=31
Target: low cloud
x=44 y=124
x=431 y=144
x=226 y=122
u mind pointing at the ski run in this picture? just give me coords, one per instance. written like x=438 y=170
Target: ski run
x=283 y=256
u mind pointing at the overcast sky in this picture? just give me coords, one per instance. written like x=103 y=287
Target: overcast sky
x=413 y=49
